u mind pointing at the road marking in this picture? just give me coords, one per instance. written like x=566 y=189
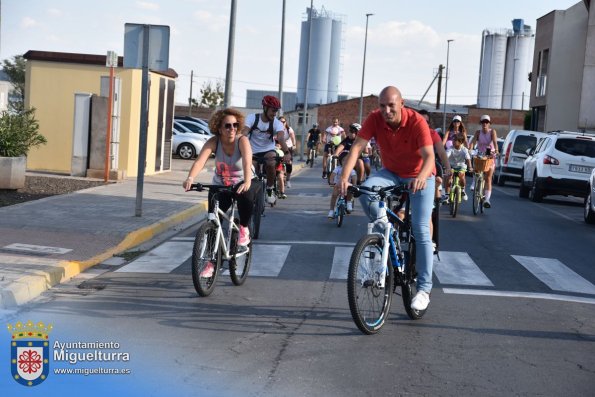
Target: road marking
x=311 y=242
x=268 y=260
x=556 y=275
x=341 y=259
x=162 y=259
x=38 y=249
x=508 y=294
x=458 y=268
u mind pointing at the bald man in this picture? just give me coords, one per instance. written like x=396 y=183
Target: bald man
x=407 y=157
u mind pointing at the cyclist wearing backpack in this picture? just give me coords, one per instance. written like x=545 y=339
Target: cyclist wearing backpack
x=262 y=129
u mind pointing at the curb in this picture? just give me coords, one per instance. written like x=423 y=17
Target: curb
x=28 y=287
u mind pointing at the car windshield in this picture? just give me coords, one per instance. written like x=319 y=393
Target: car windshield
x=576 y=147
x=524 y=142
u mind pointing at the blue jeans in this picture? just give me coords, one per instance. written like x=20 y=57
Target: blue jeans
x=421 y=211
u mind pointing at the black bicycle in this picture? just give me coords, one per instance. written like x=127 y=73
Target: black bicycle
x=389 y=240
x=214 y=244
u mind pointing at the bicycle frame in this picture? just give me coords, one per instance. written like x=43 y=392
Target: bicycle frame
x=221 y=240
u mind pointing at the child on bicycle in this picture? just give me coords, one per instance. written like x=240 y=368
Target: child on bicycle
x=280 y=171
x=460 y=161
x=336 y=188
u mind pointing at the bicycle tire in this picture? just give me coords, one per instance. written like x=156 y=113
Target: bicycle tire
x=409 y=285
x=476 y=197
x=482 y=197
x=203 y=252
x=311 y=158
x=456 y=201
x=239 y=266
x=256 y=217
x=362 y=291
x=340 y=214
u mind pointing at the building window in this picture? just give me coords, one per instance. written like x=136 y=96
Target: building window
x=542 y=66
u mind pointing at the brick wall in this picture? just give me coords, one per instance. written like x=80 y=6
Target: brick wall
x=499 y=118
x=347 y=111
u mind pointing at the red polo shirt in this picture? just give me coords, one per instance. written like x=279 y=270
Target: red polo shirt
x=399 y=148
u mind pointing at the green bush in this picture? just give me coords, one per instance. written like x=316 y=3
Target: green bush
x=19 y=132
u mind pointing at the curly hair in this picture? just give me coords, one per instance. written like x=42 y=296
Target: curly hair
x=217 y=118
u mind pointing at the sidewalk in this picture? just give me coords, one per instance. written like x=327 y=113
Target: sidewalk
x=48 y=241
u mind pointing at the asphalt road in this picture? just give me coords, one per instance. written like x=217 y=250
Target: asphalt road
x=505 y=326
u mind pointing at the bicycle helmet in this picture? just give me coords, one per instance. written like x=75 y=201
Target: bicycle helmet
x=315 y=125
x=355 y=127
x=271 y=102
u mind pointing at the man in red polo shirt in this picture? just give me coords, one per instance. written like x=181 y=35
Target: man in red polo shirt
x=407 y=157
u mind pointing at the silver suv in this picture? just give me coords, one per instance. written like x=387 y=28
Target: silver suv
x=560 y=164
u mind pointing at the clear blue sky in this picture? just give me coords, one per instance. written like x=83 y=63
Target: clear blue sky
x=406 y=40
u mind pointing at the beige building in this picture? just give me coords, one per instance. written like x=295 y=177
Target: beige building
x=563 y=76
x=66 y=91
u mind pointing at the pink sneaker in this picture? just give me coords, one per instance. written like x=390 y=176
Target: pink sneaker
x=208 y=270
x=244 y=239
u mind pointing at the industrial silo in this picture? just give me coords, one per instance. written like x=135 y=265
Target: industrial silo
x=334 y=62
x=519 y=56
x=325 y=53
x=492 y=66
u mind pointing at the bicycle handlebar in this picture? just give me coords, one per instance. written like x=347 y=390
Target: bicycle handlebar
x=199 y=187
x=378 y=190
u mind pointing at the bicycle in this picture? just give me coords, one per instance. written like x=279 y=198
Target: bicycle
x=371 y=281
x=311 y=155
x=456 y=192
x=481 y=163
x=259 y=206
x=331 y=160
x=341 y=209
x=213 y=244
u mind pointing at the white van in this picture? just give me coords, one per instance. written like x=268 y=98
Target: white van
x=514 y=153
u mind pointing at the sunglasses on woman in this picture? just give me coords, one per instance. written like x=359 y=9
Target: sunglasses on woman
x=229 y=126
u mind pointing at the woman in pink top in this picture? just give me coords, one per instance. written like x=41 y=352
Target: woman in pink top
x=486 y=138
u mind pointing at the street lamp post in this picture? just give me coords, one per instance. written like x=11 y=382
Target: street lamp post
x=445 y=86
x=361 y=95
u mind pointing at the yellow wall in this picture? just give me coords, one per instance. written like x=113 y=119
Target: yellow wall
x=50 y=88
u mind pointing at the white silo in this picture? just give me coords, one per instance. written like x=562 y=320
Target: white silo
x=492 y=66
x=325 y=52
x=519 y=56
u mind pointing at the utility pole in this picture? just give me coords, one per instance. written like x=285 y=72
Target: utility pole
x=440 y=69
x=446 y=86
x=282 y=55
x=304 y=118
x=230 y=45
x=190 y=97
x=361 y=95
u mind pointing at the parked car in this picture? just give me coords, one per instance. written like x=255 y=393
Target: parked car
x=187 y=144
x=192 y=126
x=514 y=153
x=590 y=200
x=560 y=164
x=193 y=119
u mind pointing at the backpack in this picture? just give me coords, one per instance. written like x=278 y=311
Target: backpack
x=256 y=120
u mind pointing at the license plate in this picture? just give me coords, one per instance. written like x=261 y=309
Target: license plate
x=580 y=168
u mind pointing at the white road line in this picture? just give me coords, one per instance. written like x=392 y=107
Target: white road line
x=162 y=259
x=458 y=268
x=341 y=259
x=39 y=249
x=310 y=242
x=267 y=261
x=556 y=275
x=508 y=294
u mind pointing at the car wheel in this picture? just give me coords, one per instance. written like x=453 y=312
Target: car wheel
x=536 y=193
x=589 y=213
x=186 y=151
x=523 y=189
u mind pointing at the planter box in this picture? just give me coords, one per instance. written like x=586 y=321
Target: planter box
x=12 y=172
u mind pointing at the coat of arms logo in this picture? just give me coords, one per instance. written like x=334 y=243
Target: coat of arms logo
x=29 y=347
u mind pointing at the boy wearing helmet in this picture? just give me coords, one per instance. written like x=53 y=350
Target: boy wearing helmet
x=343 y=150
x=313 y=139
x=262 y=129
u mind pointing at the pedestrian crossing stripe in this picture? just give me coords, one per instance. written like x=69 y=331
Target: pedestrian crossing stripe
x=454 y=268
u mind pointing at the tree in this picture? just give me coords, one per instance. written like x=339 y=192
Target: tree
x=15 y=70
x=19 y=132
x=210 y=96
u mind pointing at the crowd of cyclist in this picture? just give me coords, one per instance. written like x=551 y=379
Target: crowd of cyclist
x=264 y=144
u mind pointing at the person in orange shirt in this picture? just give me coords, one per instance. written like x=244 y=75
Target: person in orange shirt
x=407 y=157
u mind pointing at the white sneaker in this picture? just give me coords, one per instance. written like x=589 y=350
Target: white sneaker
x=331 y=214
x=420 y=301
x=288 y=185
x=271 y=198
x=349 y=206
x=464 y=195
